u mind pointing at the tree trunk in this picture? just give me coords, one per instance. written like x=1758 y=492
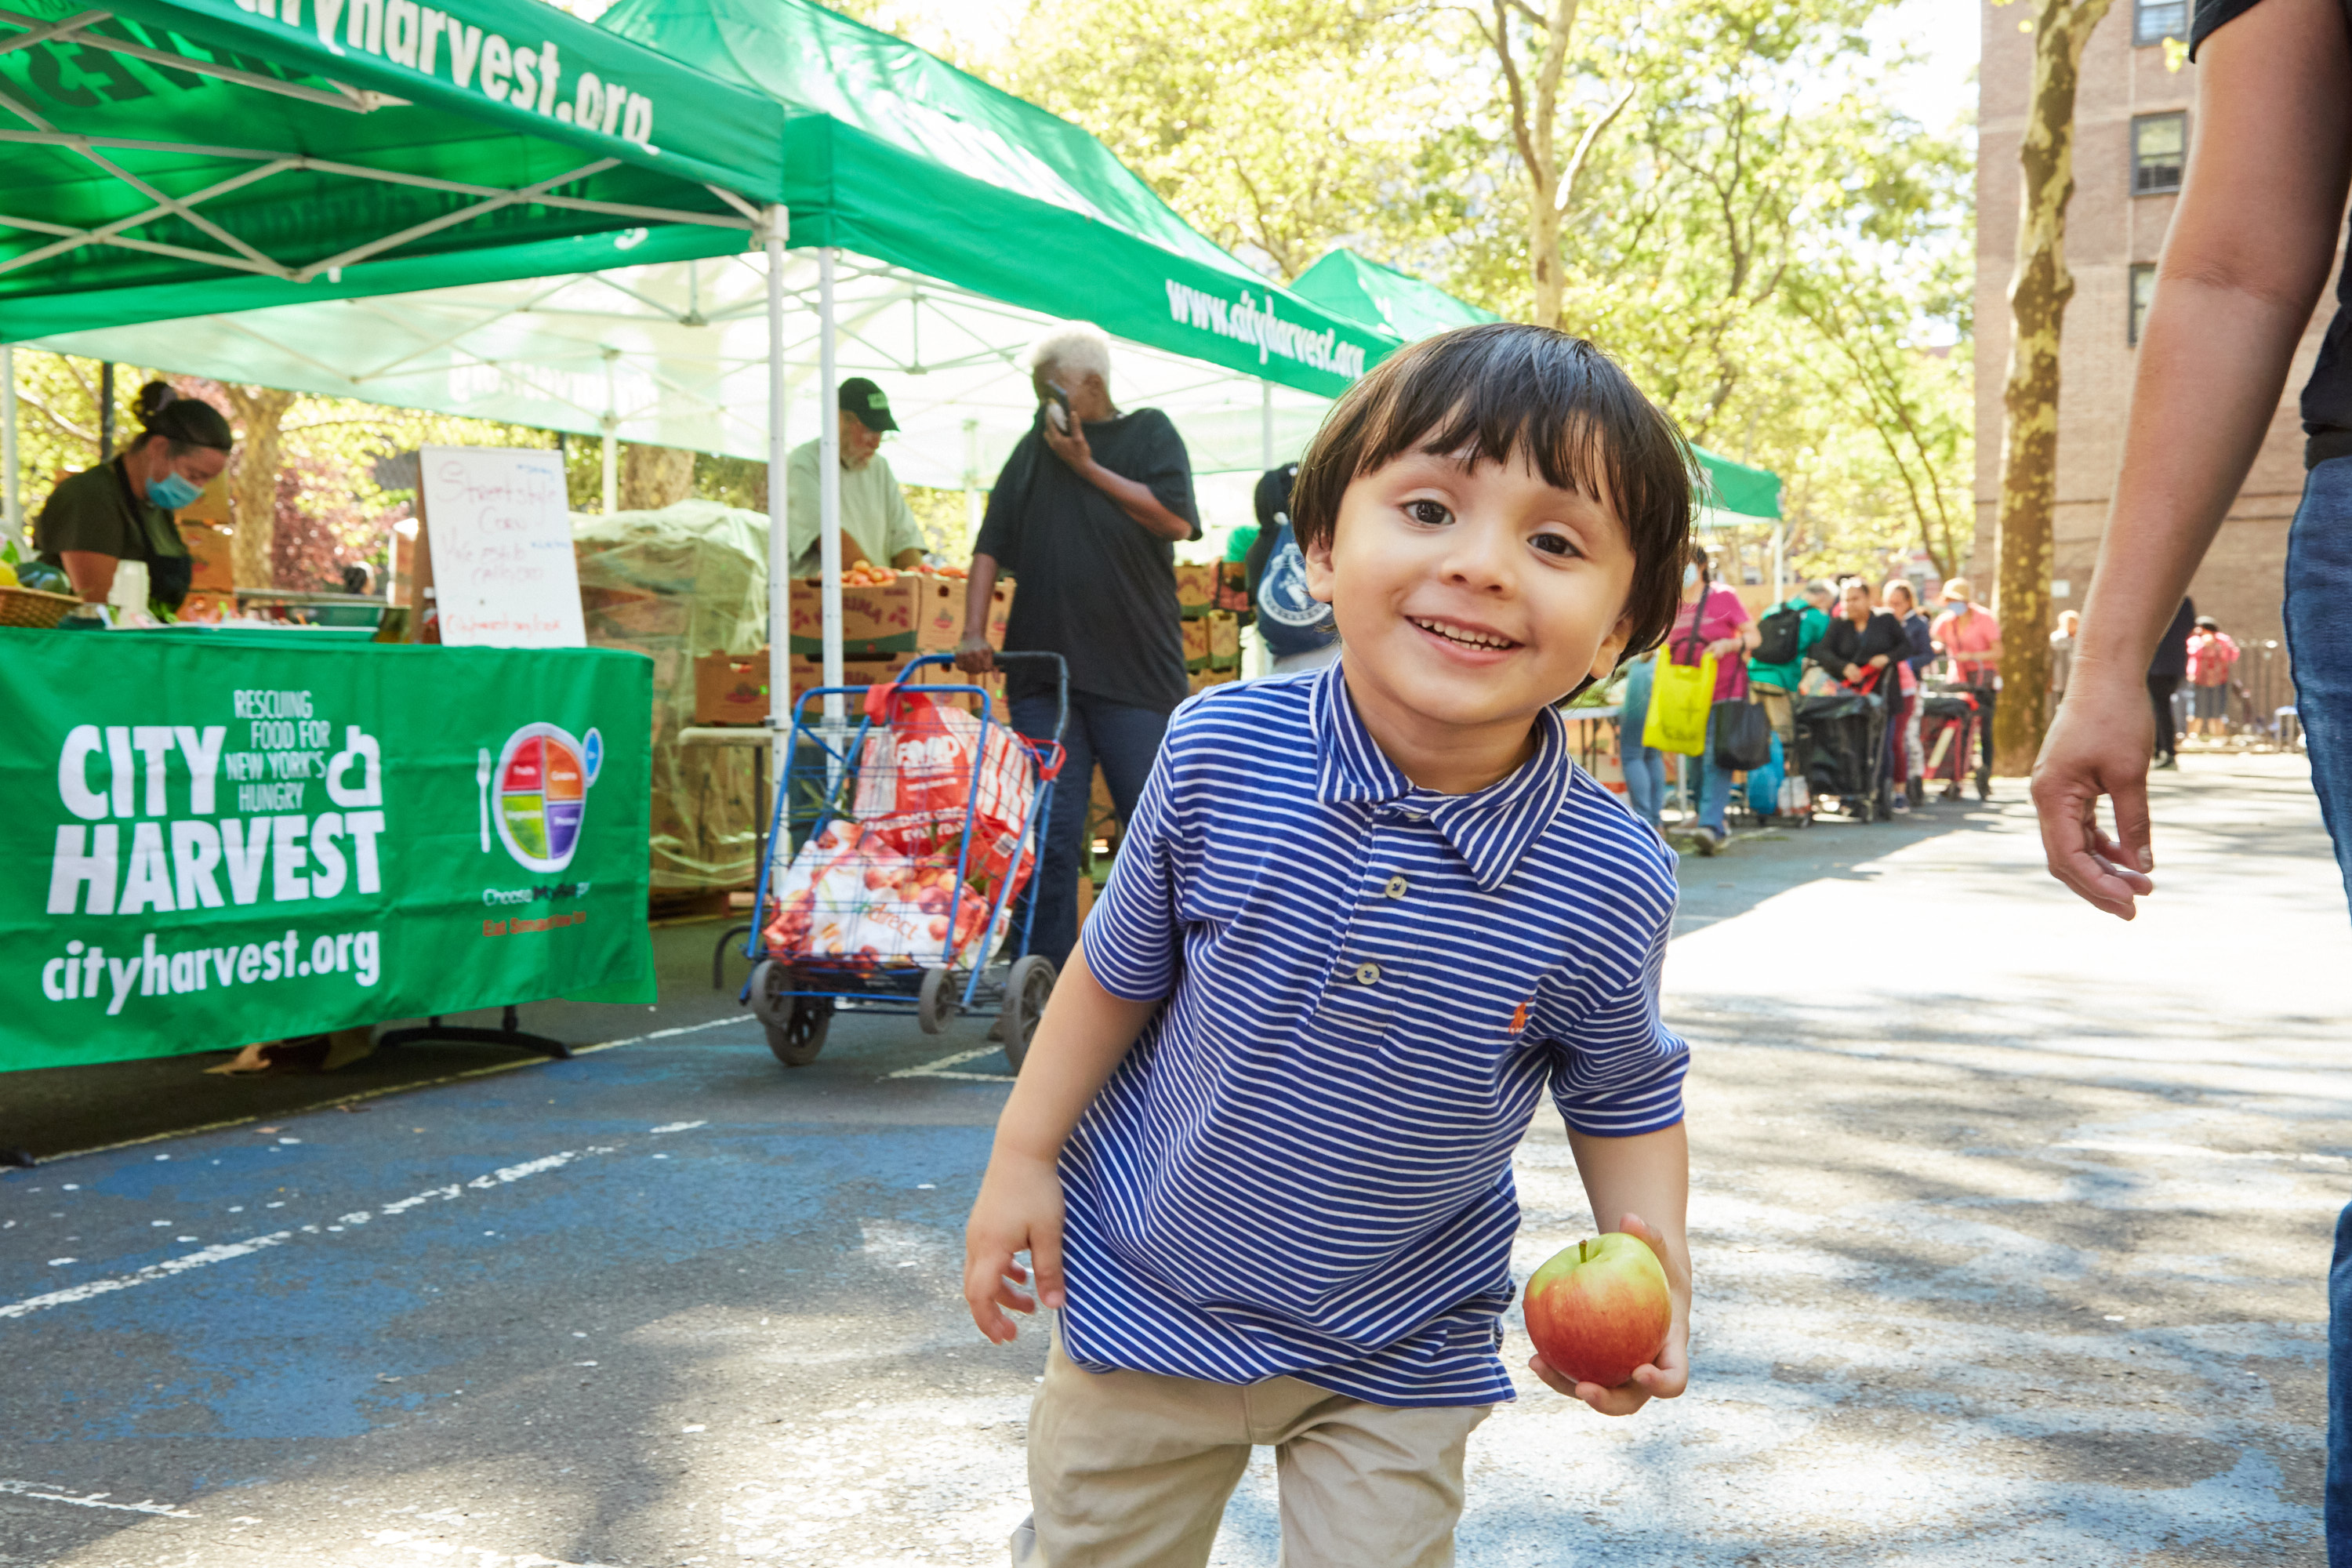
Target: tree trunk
x=253 y=482
x=2038 y=290
x=654 y=477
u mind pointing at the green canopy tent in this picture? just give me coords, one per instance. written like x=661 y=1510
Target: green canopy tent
x=296 y=190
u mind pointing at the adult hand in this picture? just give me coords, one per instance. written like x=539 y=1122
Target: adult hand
x=1664 y=1379
x=1070 y=445
x=2099 y=745
x=1019 y=1210
x=1723 y=647
x=974 y=655
x=1878 y=661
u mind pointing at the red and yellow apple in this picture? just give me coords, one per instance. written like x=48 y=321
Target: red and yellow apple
x=1601 y=1308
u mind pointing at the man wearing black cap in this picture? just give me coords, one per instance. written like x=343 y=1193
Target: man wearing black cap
x=876 y=525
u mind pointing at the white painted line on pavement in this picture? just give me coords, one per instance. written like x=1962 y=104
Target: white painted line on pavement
x=40 y=1492
x=227 y=1251
x=939 y=1068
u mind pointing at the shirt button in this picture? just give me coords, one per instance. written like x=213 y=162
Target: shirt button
x=1367 y=973
x=1396 y=888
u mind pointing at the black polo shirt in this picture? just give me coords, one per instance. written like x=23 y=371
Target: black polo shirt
x=94 y=510
x=1096 y=586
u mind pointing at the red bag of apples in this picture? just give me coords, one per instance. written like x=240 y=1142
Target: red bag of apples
x=880 y=886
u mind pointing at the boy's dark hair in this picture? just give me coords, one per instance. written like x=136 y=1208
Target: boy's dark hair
x=1485 y=393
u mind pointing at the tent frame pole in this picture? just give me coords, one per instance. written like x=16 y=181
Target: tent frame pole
x=1266 y=424
x=1780 y=560
x=774 y=230
x=12 y=516
x=828 y=481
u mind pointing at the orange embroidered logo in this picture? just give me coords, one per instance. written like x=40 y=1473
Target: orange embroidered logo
x=1519 y=1017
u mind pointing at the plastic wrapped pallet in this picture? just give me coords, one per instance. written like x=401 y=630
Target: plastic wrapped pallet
x=675 y=584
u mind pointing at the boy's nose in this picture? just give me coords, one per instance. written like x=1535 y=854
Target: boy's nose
x=1478 y=557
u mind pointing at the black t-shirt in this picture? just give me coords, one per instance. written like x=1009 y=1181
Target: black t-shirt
x=2327 y=396
x=1096 y=586
x=94 y=510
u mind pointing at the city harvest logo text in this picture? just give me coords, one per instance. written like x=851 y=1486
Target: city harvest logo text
x=170 y=839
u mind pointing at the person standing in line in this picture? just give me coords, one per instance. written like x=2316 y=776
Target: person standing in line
x=1864 y=649
x=1775 y=685
x=1966 y=634
x=2166 y=671
x=2211 y=653
x=876 y=526
x=1644 y=767
x=1904 y=605
x=1086 y=511
x=1298 y=628
x=1712 y=620
x=2062 y=653
x=2249 y=247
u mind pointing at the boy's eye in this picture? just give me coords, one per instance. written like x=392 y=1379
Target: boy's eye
x=1432 y=513
x=1555 y=544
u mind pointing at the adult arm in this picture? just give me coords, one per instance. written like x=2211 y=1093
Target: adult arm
x=2247 y=256
x=1834 y=653
x=1744 y=635
x=1080 y=1041
x=92 y=574
x=1132 y=497
x=974 y=654
x=1642 y=1182
x=903 y=535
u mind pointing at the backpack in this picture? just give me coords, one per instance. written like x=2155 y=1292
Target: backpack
x=1290 y=619
x=1779 y=636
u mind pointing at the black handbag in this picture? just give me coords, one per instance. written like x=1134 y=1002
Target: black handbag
x=1743 y=732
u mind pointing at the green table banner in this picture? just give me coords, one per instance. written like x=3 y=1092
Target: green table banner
x=226 y=839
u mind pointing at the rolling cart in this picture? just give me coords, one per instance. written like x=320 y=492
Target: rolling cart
x=896 y=861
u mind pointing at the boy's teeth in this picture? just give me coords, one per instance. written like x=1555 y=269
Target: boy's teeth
x=1475 y=639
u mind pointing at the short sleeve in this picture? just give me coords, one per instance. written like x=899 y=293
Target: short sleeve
x=801 y=504
x=1000 y=525
x=1168 y=467
x=2211 y=13
x=80 y=515
x=1617 y=1069
x=1132 y=934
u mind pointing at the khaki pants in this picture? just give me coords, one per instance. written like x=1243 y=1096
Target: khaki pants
x=1130 y=1469
x=1782 y=714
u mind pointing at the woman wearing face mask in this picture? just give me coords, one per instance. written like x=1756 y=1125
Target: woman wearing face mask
x=122 y=511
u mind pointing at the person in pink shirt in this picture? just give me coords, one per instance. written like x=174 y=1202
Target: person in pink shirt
x=1967 y=633
x=2211 y=653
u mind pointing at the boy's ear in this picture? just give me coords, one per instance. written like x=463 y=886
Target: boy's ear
x=1318 y=556
x=1611 y=648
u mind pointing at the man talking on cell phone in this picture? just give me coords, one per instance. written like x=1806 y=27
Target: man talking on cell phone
x=1087 y=514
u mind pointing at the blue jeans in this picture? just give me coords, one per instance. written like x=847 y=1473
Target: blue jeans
x=1645 y=766
x=2319 y=640
x=1126 y=740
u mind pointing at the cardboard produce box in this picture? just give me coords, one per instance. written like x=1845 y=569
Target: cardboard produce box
x=731 y=688
x=919 y=613
x=1233 y=588
x=208 y=552
x=1196 y=645
x=1202 y=679
x=1224 y=640
x=1196 y=588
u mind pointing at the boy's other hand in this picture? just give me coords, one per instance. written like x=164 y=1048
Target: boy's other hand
x=1019 y=1209
x=1664 y=1379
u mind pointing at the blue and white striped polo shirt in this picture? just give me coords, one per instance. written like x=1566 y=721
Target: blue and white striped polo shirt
x=1304 y=1166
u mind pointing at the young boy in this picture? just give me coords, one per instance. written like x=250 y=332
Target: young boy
x=1260 y=1151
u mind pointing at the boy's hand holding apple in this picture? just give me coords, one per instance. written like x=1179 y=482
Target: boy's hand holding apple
x=1611 y=1306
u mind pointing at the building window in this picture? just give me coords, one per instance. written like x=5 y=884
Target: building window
x=2143 y=293
x=2153 y=21
x=2159 y=148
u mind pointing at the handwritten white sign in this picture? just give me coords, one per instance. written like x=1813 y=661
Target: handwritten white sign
x=499 y=533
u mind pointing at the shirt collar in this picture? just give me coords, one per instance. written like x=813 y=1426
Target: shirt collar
x=1490 y=828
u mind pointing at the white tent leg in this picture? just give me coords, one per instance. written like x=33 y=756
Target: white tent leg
x=828 y=480
x=1266 y=424
x=12 y=518
x=611 y=422
x=777 y=230
x=971 y=495
x=1780 y=560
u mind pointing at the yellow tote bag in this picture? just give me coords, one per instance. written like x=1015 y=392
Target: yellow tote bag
x=1680 y=698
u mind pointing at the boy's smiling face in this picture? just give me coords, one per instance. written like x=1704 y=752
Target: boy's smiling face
x=1468 y=598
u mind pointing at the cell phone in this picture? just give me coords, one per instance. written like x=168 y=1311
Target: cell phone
x=1057 y=409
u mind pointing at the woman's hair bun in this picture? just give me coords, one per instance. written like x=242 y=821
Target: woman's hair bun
x=154 y=398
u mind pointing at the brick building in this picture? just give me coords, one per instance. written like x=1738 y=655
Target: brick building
x=2134 y=123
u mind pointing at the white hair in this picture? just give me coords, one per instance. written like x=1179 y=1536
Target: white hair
x=1074 y=346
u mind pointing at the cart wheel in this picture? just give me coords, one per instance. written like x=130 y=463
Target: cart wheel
x=767 y=993
x=937 y=1002
x=1026 y=989
x=797 y=1042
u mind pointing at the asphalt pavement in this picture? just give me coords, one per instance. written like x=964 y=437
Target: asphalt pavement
x=2010 y=1222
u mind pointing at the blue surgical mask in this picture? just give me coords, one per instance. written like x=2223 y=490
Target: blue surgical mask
x=1690 y=576
x=172 y=491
